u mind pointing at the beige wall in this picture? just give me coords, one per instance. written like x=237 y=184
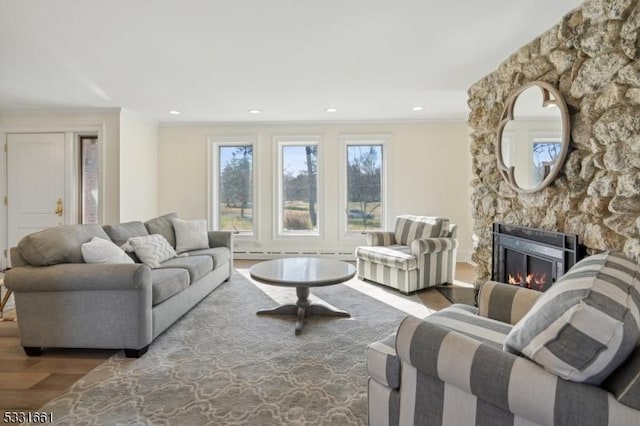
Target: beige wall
x=430 y=171
x=108 y=121
x=138 y=167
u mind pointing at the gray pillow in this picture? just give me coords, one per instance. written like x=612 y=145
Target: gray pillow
x=586 y=324
x=162 y=225
x=190 y=234
x=60 y=244
x=120 y=233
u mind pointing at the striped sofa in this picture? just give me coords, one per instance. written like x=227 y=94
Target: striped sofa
x=450 y=369
x=419 y=253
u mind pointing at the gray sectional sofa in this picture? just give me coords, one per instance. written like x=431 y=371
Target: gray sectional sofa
x=63 y=302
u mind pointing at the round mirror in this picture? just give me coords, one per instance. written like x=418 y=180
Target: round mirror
x=533 y=137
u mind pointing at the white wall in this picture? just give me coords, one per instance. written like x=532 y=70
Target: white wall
x=108 y=123
x=138 y=167
x=430 y=171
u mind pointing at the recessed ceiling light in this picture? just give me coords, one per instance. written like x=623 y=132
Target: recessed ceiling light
x=174 y=112
x=254 y=111
x=330 y=110
x=418 y=108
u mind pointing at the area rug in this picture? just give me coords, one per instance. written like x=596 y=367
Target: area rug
x=221 y=364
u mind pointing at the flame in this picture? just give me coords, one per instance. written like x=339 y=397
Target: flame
x=531 y=281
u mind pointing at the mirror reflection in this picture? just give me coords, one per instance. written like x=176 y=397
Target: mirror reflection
x=533 y=137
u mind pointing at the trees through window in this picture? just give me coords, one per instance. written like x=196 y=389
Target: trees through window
x=298 y=188
x=235 y=188
x=364 y=187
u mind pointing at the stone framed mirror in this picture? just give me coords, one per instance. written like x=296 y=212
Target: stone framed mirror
x=533 y=137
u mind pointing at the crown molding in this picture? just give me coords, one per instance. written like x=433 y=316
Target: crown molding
x=57 y=111
x=444 y=120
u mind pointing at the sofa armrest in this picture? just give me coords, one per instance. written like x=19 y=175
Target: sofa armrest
x=221 y=239
x=505 y=302
x=78 y=277
x=432 y=245
x=502 y=379
x=380 y=238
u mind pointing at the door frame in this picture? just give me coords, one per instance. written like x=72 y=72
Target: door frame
x=72 y=175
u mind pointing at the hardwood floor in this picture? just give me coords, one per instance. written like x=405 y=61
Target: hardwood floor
x=27 y=383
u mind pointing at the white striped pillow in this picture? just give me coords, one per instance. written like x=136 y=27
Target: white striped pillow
x=410 y=227
x=586 y=324
x=152 y=249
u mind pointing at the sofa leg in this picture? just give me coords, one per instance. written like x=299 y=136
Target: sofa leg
x=32 y=350
x=136 y=353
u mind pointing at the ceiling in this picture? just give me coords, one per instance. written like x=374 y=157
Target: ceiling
x=214 y=60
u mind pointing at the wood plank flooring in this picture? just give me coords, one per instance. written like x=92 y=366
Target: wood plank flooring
x=27 y=383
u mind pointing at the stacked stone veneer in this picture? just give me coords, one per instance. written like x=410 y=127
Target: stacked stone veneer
x=592 y=57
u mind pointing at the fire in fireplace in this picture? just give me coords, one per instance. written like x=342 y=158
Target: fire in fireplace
x=532 y=258
x=532 y=280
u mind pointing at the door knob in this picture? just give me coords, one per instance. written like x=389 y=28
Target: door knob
x=59 y=209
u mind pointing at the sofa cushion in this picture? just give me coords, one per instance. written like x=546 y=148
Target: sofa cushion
x=190 y=234
x=166 y=282
x=586 y=324
x=151 y=249
x=120 y=233
x=60 y=244
x=99 y=250
x=409 y=228
x=198 y=266
x=624 y=383
x=220 y=255
x=395 y=256
x=162 y=225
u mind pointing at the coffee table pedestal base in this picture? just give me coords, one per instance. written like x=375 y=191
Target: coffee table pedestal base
x=303 y=308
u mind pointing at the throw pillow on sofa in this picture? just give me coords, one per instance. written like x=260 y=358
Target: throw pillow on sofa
x=151 y=249
x=162 y=225
x=586 y=324
x=99 y=250
x=190 y=234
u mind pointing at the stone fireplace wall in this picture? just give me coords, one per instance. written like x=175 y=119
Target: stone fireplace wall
x=592 y=57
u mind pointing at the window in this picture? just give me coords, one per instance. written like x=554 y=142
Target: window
x=545 y=153
x=298 y=210
x=89 y=180
x=364 y=183
x=233 y=186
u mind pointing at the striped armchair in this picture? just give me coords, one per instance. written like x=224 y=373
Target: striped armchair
x=419 y=253
x=449 y=369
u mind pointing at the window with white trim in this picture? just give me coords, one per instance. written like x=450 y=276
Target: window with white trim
x=298 y=192
x=233 y=182
x=364 y=183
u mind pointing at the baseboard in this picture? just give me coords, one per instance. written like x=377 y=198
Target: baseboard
x=349 y=256
x=267 y=255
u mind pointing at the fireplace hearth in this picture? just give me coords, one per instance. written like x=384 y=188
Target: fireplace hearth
x=532 y=258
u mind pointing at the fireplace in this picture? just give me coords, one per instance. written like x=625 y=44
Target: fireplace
x=532 y=258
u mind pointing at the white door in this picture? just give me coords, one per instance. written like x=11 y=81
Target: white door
x=35 y=183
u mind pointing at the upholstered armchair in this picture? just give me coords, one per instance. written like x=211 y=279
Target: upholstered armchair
x=564 y=357
x=419 y=253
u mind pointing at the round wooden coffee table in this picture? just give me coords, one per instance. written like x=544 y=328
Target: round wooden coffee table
x=302 y=273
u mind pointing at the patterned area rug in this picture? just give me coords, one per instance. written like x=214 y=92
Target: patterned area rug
x=221 y=364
